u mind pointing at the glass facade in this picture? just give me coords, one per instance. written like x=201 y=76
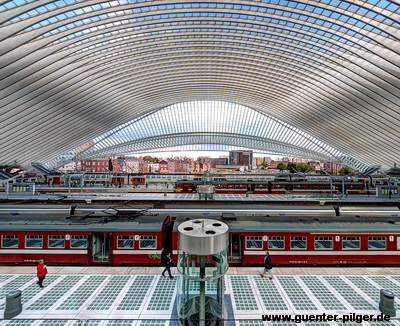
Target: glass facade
x=201 y=287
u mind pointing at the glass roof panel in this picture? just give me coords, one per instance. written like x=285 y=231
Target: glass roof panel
x=291 y=59
x=288 y=12
x=205 y=117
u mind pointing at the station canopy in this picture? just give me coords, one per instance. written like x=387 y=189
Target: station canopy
x=82 y=79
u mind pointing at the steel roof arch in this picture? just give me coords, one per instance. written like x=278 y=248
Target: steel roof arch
x=42 y=74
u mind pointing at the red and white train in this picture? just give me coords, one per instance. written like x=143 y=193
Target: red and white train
x=158 y=179
x=121 y=239
x=275 y=187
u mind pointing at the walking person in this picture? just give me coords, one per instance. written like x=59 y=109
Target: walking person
x=167 y=262
x=41 y=270
x=267 y=266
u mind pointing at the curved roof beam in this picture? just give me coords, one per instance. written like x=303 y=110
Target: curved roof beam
x=207 y=122
x=329 y=68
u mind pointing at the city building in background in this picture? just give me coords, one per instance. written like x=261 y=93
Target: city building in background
x=242 y=158
x=182 y=164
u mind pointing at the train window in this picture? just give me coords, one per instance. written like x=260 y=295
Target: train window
x=34 y=241
x=376 y=243
x=298 y=242
x=9 y=241
x=79 y=241
x=351 y=243
x=254 y=243
x=276 y=243
x=56 y=241
x=148 y=242
x=125 y=241
x=321 y=243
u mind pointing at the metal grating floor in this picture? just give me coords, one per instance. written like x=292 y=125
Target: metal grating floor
x=148 y=300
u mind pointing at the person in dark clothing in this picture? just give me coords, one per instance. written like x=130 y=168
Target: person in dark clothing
x=390 y=194
x=41 y=270
x=167 y=261
x=267 y=266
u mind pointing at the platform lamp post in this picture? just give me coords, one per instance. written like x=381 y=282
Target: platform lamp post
x=202 y=264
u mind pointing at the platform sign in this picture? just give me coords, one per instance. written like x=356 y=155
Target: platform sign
x=388 y=191
x=21 y=189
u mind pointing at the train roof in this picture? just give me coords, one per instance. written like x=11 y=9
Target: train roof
x=321 y=225
x=65 y=222
x=256 y=182
x=146 y=223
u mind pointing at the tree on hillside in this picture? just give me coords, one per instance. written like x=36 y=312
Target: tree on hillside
x=304 y=168
x=345 y=170
x=149 y=158
x=281 y=166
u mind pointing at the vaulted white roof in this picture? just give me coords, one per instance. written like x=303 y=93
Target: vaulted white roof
x=72 y=71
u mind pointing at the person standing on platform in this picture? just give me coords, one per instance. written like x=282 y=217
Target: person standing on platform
x=267 y=266
x=41 y=270
x=167 y=261
x=390 y=194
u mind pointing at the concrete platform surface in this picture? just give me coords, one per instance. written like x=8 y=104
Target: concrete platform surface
x=141 y=296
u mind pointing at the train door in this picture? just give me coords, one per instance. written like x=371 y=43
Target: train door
x=167 y=233
x=101 y=244
x=235 y=249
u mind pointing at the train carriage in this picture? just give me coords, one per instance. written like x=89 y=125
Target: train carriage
x=273 y=187
x=316 y=243
x=121 y=240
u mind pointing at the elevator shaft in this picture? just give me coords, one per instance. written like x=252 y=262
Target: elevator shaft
x=202 y=264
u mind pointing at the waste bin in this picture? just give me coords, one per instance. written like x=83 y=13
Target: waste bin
x=386 y=303
x=13 y=304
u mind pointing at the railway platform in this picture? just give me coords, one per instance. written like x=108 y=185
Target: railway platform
x=189 y=197
x=141 y=296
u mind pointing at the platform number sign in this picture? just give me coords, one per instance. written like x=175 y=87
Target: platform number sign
x=137 y=237
x=265 y=238
x=67 y=237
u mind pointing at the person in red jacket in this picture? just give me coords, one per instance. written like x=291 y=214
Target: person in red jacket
x=41 y=269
